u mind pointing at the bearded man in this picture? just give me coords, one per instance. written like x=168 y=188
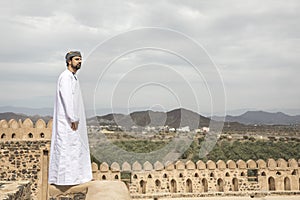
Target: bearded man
x=70 y=162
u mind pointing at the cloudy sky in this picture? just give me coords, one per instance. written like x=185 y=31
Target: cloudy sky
x=208 y=56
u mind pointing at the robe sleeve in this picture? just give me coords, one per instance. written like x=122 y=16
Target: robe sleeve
x=67 y=96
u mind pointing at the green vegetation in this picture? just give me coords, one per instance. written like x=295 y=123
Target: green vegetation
x=94 y=159
x=255 y=150
x=223 y=150
x=140 y=146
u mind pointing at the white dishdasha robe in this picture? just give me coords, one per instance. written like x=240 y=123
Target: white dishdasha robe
x=70 y=162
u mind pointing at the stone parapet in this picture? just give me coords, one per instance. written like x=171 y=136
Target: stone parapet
x=189 y=178
x=25 y=130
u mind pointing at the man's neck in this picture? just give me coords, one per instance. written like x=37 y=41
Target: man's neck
x=71 y=69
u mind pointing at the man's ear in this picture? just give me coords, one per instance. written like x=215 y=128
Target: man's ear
x=69 y=62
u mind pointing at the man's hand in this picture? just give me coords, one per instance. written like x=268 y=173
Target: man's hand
x=74 y=126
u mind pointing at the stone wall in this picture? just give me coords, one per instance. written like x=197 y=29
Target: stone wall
x=236 y=178
x=26 y=130
x=24 y=160
x=24 y=153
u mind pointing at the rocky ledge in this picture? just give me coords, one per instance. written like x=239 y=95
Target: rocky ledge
x=15 y=190
x=104 y=190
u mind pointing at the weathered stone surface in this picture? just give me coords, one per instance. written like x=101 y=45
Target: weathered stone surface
x=104 y=190
x=19 y=190
x=15 y=166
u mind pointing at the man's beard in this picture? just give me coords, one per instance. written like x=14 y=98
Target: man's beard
x=78 y=66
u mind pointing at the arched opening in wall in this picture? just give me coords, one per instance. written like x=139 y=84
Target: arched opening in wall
x=116 y=177
x=205 y=185
x=227 y=174
x=235 y=184
x=165 y=176
x=173 y=186
x=212 y=175
x=271 y=183
x=13 y=136
x=263 y=174
x=149 y=176
x=278 y=173
x=242 y=174
x=189 y=186
x=287 y=184
x=157 y=183
x=30 y=135
x=294 y=172
x=142 y=187
x=3 y=136
x=196 y=175
x=220 y=185
x=180 y=175
x=135 y=176
x=103 y=177
x=42 y=135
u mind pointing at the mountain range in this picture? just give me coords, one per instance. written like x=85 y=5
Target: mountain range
x=175 y=118
x=262 y=117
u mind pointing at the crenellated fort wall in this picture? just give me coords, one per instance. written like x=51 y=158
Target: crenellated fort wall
x=26 y=130
x=24 y=155
x=196 y=179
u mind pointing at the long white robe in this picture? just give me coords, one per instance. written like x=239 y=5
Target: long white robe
x=70 y=162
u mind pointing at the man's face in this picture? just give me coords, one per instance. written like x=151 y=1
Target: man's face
x=76 y=62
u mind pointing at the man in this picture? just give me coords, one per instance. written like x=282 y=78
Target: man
x=70 y=162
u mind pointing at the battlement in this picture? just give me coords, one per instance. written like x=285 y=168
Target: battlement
x=201 y=178
x=26 y=130
x=270 y=164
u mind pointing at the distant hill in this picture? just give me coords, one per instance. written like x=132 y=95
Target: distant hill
x=10 y=115
x=262 y=117
x=175 y=118
x=182 y=117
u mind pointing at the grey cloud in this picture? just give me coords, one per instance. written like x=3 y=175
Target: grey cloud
x=255 y=43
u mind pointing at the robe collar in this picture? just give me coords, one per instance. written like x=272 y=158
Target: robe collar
x=74 y=76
